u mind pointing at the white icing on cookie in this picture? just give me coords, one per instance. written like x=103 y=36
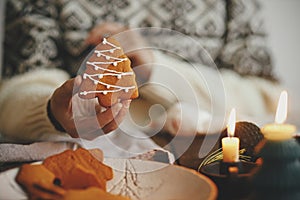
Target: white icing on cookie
x=115 y=63
x=97 y=67
x=107 y=72
x=115 y=60
x=95 y=81
x=100 y=76
x=104 y=91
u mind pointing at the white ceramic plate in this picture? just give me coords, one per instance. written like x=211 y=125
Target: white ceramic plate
x=140 y=180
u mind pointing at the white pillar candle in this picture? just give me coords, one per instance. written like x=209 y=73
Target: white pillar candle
x=230 y=147
x=231 y=144
x=279 y=130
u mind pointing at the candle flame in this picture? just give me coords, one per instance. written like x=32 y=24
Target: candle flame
x=281 y=112
x=231 y=123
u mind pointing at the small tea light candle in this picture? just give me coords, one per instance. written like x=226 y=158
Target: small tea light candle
x=231 y=144
x=279 y=130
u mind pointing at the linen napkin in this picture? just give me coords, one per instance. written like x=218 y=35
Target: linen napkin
x=40 y=150
x=32 y=152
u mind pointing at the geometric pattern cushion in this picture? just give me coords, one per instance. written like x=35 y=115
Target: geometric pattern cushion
x=204 y=21
x=245 y=49
x=36 y=30
x=32 y=37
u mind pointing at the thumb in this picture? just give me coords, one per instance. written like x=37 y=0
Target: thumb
x=76 y=84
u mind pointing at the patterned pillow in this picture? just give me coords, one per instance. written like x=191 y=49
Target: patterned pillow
x=245 y=48
x=203 y=21
x=32 y=37
x=230 y=31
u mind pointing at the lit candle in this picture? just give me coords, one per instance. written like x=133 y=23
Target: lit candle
x=231 y=144
x=279 y=130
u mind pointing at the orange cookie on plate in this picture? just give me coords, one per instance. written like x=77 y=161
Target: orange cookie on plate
x=38 y=182
x=108 y=75
x=72 y=166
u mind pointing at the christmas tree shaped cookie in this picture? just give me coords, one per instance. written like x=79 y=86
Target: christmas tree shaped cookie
x=108 y=75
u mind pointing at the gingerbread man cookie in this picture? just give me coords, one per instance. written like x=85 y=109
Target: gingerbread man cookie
x=108 y=75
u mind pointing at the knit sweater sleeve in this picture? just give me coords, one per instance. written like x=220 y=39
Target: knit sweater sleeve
x=23 y=105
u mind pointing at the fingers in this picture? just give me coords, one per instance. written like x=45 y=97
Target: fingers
x=107 y=116
x=114 y=124
x=107 y=120
x=89 y=124
x=77 y=83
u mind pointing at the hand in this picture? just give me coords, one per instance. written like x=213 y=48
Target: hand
x=138 y=55
x=62 y=107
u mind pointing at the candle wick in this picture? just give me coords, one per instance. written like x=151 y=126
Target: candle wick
x=229 y=134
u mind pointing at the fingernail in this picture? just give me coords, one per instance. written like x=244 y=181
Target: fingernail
x=127 y=103
x=117 y=108
x=78 y=80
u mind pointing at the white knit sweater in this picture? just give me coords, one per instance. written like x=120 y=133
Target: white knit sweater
x=23 y=106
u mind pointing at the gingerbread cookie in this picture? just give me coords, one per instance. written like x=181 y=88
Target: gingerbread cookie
x=67 y=176
x=108 y=75
x=38 y=182
x=78 y=169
